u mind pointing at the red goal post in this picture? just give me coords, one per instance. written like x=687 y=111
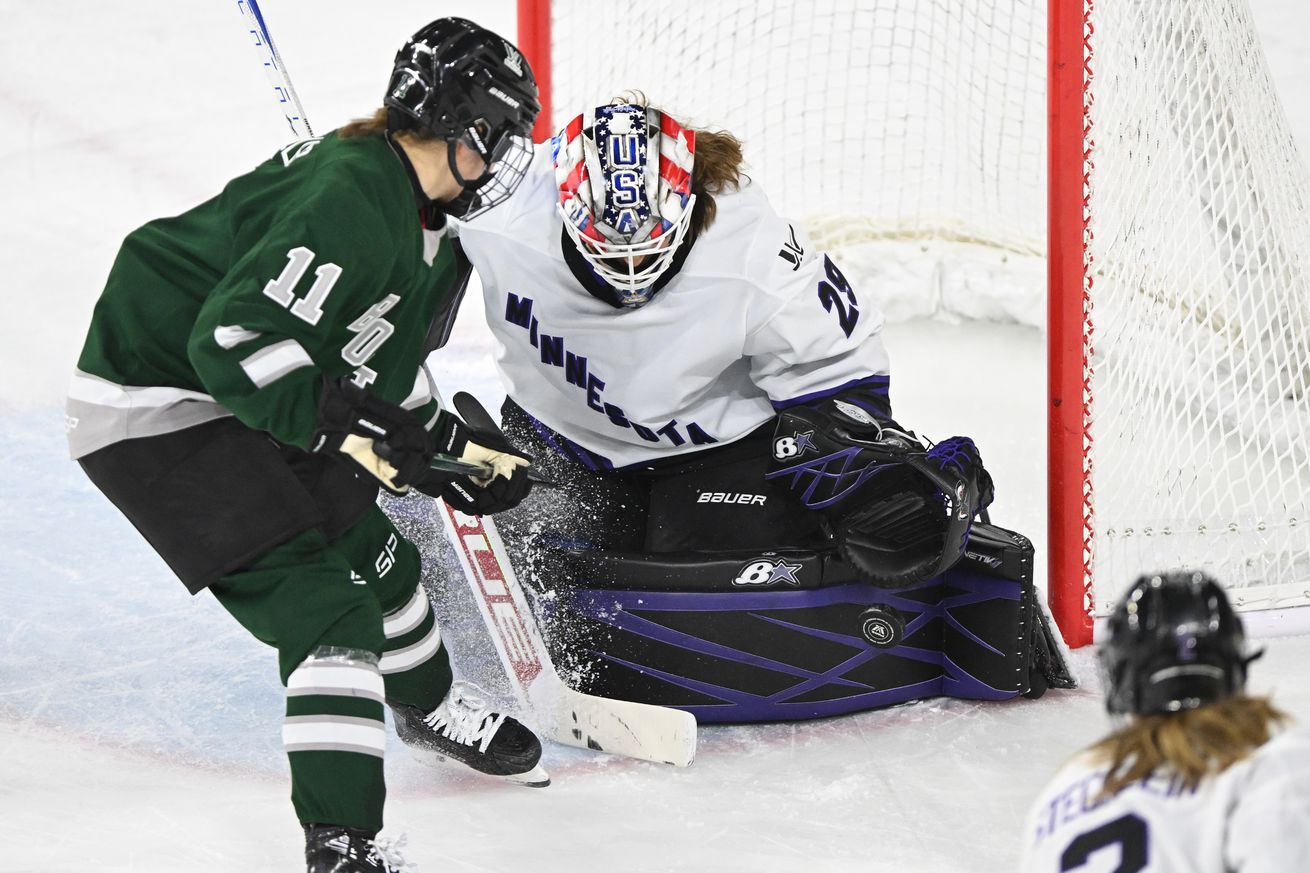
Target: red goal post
x=1136 y=151
x=1069 y=504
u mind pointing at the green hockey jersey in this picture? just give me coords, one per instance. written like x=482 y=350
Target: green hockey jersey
x=316 y=263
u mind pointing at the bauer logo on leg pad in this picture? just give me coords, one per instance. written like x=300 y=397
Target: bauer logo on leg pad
x=731 y=497
x=767 y=570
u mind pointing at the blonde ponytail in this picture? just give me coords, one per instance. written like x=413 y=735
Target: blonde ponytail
x=1193 y=743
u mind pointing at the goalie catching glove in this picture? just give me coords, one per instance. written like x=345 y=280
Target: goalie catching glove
x=899 y=512
x=392 y=445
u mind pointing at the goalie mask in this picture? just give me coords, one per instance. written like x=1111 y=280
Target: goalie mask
x=1174 y=643
x=465 y=84
x=624 y=175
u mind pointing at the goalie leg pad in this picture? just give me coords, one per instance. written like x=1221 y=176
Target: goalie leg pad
x=793 y=634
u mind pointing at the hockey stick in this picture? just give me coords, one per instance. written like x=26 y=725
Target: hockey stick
x=276 y=71
x=638 y=730
x=451 y=464
x=620 y=727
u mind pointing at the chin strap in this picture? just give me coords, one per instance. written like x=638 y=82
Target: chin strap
x=466 y=184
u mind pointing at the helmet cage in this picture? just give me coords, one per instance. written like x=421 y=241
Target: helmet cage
x=632 y=268
x=624 y=176
x=509 y=164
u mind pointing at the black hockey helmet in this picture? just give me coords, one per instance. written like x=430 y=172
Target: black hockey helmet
x=462 y=83
x=1174 y=643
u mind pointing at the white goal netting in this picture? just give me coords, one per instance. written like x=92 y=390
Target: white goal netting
x=910 y=137
x=907 y=137
x=1200 y=223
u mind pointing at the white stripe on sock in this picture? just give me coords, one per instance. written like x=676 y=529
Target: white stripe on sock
x=334 y=733
x=411 y=656
x=408 y=617
x=336 y=678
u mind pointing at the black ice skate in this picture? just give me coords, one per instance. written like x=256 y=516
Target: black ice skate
x=336 y=849
x=463 y=729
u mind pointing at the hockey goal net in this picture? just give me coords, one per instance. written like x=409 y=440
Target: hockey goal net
x=1178 y=310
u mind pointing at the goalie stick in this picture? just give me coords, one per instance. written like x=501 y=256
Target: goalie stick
x=620 y=727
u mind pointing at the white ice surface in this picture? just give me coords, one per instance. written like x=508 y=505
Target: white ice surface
x=139 y=726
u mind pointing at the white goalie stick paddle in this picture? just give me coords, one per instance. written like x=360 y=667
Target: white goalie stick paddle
x=619 y=727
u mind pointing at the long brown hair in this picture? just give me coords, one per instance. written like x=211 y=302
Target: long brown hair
x=376 y=125
x=717 y=169
x=1193 y=743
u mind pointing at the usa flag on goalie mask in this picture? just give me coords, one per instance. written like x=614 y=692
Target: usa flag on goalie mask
x=642 y=198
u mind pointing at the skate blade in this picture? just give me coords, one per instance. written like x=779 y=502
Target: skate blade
x=537 y=777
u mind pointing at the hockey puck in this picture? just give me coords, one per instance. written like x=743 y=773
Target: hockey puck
x=882 y=626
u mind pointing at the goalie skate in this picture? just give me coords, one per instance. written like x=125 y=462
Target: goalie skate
x=465 y=730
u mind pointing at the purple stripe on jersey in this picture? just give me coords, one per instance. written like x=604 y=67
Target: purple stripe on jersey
x=880 y=384
x=548 y=436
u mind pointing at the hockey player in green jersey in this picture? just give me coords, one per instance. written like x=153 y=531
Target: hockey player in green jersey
x=252 y=374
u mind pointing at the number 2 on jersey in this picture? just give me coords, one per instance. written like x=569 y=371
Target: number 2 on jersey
x=282 y=289
x=1128 y=832
x=831 y=295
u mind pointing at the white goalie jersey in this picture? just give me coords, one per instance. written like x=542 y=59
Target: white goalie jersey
x=1252 y=818
x=755 y=320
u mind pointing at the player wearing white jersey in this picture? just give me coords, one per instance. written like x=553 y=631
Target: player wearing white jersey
x=667 y=341
x=1199 y=779
x=736 y=331
x=710 y=392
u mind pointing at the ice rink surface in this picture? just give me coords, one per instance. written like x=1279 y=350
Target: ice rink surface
x=139 y=726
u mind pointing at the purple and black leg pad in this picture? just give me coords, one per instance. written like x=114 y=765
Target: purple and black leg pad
x=787 y=635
